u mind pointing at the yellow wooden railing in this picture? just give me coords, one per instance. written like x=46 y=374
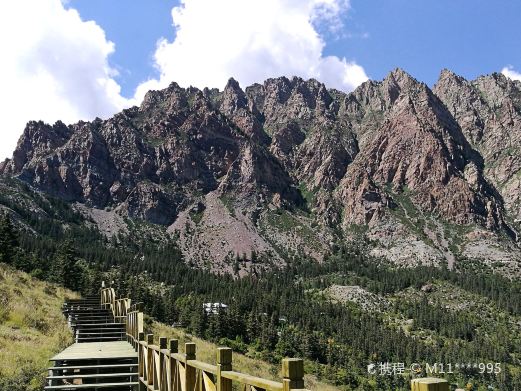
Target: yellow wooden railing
x=161 y=367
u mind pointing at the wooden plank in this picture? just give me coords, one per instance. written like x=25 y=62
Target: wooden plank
x=209 y=368
x=252 y=380
x=105 y=324
x=100 y=332
x=97 y=350
x=95 y=366
x=92 y=375
x=208 y=383
x=90 y=386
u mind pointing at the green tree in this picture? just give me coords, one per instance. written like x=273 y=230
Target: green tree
x=8 y=240
x=65 y=269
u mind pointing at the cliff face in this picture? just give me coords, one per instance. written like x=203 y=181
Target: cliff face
x=288 y=162
x=488 y=111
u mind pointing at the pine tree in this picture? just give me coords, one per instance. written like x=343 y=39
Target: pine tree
x=64 y=269
x=8 y=240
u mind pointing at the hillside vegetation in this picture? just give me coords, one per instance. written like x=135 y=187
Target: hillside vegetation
x=340 y=315
x=206 y=351
x=32 y=328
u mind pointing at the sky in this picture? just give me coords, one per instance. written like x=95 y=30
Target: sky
x=81 y=59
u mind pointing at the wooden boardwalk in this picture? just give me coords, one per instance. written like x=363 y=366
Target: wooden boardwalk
x=101 y=358
x=112 y=352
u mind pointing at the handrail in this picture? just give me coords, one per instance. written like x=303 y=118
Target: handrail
x=163 y=368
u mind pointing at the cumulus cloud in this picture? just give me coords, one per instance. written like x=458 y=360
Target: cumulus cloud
x=54 y=66
x=252 y=40
x=509 y=72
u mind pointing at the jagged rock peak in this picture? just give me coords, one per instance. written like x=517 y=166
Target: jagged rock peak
x=446 y=75
x=233 y=97
x=233 y=84
x=401 y=78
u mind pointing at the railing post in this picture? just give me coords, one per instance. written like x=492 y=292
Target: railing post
x=140 y=323
x=161 y=371
x=190 y=372
x=174 y=348
x=429 y=384
x=174 y=345
x=141 y=361
x=293 y=373
x=224 y=363
x=150 y=360
x=129 y=324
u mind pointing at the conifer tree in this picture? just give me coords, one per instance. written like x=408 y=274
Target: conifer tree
x=8 y=240
x=64 y=269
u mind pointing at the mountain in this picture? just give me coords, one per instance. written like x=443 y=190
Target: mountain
x=289 y=167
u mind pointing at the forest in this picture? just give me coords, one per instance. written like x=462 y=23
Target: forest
x=283 y=312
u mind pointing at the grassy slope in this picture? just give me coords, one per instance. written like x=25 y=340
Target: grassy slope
x=32 y=328
x=206 y=351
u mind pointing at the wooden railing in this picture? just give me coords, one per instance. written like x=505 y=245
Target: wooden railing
x=161 y=367
x=119 y=307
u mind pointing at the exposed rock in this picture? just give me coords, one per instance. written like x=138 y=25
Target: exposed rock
x=427 y=288
x=391 y=153
x=353 y=293
x=488 y=111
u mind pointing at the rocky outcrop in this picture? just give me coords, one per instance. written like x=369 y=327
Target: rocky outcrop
x=450 y=154
x=488 y=111
x=418 y=147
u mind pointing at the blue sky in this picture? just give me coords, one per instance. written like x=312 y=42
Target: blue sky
x=73 y=60
x=471 y=37
x=134 y=26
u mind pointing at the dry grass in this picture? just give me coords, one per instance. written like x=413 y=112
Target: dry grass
x=206 y=351
x=32 y=328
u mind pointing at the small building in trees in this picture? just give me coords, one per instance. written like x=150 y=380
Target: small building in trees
x=214 y=308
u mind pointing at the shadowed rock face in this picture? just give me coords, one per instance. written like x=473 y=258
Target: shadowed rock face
x=454 y=150
x=488 y=111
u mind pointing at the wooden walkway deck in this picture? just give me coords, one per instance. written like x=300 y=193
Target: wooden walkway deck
x=97 y=351
x=101 y=358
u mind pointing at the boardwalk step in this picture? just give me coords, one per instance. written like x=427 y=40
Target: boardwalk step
x=91 y=321
x=89 y=330
x=97 y=325
x=99 y=339
x=95 y=366
x=99 y=330
x=91 y=386
x=100 y=334
x=93 y=376
x=86 y=335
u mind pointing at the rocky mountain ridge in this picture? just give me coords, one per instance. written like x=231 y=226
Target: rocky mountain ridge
x=289 y=167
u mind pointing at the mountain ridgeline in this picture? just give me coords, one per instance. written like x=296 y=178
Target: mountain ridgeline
x=289 y=167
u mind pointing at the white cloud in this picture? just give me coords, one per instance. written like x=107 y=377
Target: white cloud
x=509 y=72
x=252 y=40
x=53 y=66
